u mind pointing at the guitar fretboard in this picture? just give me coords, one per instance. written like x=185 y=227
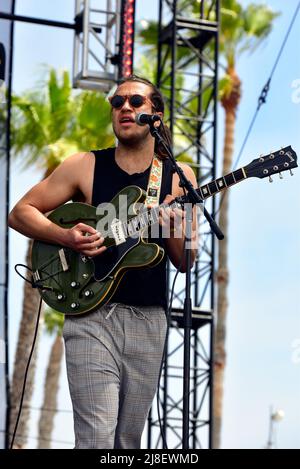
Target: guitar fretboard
x=150 y=217
x=221 y=183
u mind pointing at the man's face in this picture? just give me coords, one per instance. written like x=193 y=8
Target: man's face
x=123 y=118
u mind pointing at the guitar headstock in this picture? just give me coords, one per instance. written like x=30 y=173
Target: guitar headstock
x=276 y=162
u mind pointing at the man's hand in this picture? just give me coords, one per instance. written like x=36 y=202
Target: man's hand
x=85 y=239
x=172 y=220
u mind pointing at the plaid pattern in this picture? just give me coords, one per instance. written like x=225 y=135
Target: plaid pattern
x=113 y=358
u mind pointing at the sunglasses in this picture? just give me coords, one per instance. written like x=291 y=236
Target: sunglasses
x=135 y=100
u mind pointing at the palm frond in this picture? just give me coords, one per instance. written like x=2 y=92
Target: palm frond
x=59 y=96
x=51 y=122
x=53 y=321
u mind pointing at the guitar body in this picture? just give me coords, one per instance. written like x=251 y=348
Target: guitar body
x=73 y=284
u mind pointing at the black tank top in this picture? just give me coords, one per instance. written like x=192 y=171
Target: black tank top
x=145 y=286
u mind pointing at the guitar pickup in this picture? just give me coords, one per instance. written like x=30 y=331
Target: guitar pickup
x=63 y=260
x=117 y=231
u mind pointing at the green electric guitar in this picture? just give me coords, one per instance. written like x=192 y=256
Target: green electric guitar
x=68 y=280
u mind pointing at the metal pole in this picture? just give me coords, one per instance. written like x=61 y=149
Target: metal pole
x=213 y=246
x=8 y=145
x=28 y=19
x=271 y=428
x=86 y=20
x=196 y=273
x=149 y=433
x=165 y=392
x=195 y=388
x=187 y=312
x=173 y=70
x=76 y=42
x=159 y=45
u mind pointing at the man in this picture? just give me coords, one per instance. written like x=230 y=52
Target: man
x=114 y=353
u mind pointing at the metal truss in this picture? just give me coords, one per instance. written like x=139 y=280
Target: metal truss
x=99 y=53
x=96 y=44
x=188 y=77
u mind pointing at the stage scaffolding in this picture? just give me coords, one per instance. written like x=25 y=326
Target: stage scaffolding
x=96 y=44
x=188 y=77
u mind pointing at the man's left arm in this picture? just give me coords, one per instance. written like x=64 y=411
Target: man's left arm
x=173 y=224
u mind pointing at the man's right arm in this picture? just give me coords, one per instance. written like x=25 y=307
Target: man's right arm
x=28 y=217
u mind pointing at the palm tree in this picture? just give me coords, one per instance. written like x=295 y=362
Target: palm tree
x=243 y=29
x=48 y=125
x=54 y=324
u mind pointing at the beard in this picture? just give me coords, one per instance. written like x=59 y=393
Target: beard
x=135 y=139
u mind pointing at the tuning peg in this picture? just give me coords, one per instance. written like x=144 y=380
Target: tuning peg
x=280 y=176
x=270 y=179
x=292 y=174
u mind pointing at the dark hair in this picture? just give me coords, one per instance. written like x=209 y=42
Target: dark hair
x=158 y=106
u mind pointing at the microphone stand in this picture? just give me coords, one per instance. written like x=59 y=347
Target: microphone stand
x=193 y=198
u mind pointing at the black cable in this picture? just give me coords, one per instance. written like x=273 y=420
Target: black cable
x=38 y=284
x=26 y=373
x=286 y=37
x=263 y=95
x=24 y=278
x=262 y=99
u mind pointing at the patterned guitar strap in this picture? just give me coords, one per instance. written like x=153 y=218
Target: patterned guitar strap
x=154 y=183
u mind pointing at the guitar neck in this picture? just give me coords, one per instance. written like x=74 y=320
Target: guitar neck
x=221 y=183
x=151 y=217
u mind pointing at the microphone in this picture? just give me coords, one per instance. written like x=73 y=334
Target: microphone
x=143 y=119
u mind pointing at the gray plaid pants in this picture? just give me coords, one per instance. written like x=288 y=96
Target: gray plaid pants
x=113 y=358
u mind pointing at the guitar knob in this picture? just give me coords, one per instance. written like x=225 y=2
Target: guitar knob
x=74 y=284
x=74 y=305
x=88 y=293
x=61 y=297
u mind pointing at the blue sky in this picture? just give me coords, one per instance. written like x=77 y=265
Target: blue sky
x=264 y=248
